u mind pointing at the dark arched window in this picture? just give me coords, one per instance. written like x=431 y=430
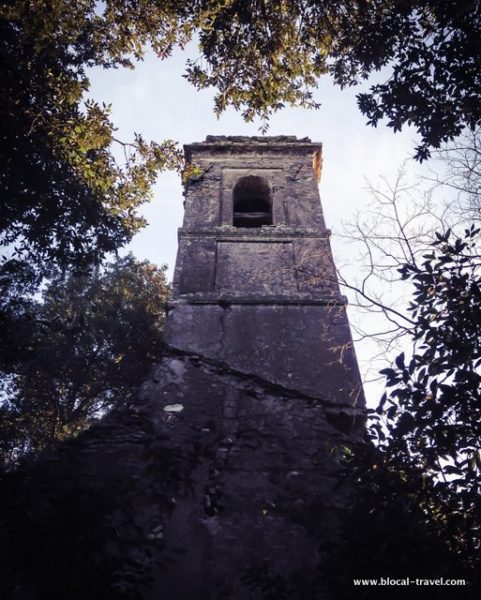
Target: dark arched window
x=252 y=202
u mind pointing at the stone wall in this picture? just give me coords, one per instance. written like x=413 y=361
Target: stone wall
x=211 y=476
x=266 y=488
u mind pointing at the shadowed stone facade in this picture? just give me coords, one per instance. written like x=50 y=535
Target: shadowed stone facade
x=224 y=475
x=266 y=489
x=255 y=292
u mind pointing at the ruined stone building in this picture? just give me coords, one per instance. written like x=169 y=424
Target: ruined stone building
x=227 y=465
x=255 y=294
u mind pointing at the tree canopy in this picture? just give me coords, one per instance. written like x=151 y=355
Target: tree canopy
x=90 y=343
x=66 y=200
x=263 y=55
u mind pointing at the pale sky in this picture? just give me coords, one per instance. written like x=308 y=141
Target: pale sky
x=157 y=102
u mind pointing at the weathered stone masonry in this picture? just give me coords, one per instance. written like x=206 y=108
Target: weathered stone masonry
x=255 y=292
x=264 y=299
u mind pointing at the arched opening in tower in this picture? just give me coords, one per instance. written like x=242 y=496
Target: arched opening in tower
x=252 y=202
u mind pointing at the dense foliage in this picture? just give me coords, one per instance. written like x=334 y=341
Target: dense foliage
x=262 y=55
x=66 y=200
x=90 y=343
x=432 y=404
x=417 y=511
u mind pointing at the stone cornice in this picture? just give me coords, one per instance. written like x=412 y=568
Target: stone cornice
x=261 y=234
x=255 y=300
x=257 y=144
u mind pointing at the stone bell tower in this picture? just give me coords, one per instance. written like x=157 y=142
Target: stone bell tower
x=255 y=285
x=262 y=379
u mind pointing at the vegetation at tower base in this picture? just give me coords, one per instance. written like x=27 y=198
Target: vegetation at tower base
x=400 y=527
x=86 y=346
x=87 y=521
